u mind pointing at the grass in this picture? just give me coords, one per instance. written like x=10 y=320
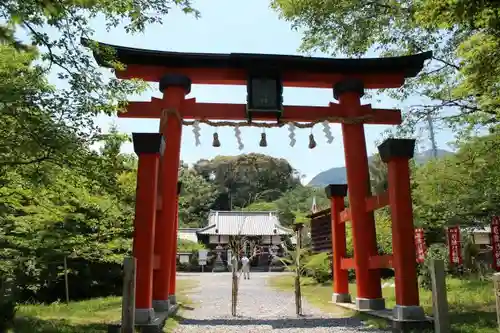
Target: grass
x=471 y=302
x=90 y=316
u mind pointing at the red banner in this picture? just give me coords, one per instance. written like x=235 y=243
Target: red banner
x=420 y=245
x=495 y=242
x=454 y=245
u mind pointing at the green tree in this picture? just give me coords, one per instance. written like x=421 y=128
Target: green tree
x=459 y=189
x=378 y=175
x=196 y=199
x=244 y=179
x=297 y=203
x=110 y=164
x=33 y=128
x=40 y=225
x=294 y=204
x=463 y=75
x=55 y=28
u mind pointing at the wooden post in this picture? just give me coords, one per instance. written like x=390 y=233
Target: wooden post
x=66 y=282
x=128 y=299
x=439 y=299
x=298 y=292
x=496 y=286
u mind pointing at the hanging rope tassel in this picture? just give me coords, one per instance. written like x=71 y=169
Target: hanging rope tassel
x=291 y=129
x=327 y=131
x=196 y=132
x=237 y=133
x=216 y=142
x=263 y=141
x=312 y=142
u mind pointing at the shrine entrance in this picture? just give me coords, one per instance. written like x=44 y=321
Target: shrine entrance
x=155 y=237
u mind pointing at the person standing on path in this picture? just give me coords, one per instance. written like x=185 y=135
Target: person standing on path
x=245 y=262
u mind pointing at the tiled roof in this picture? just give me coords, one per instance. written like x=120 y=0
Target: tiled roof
x=244 y=223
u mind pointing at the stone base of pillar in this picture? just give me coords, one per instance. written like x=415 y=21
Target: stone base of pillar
x=161 y=305
x=145 y=316
x=154 y=326
x=402 y=313
x=370 y=303
x=172 y=299
x=341 y=298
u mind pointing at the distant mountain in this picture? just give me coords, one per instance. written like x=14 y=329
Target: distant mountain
x=427 y=155
x=338 y=175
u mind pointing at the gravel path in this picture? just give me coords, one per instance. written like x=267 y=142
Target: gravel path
x=260 y=309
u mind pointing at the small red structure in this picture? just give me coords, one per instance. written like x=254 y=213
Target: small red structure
x=265 y=76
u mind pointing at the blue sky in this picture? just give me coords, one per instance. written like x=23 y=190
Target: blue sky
x=241 y=26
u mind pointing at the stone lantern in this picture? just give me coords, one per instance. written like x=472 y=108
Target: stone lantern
x=219 y=264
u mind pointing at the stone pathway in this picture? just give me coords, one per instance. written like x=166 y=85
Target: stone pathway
x=260 y=309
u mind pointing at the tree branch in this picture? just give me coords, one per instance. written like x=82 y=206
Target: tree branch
x=33 y=161
x=447 y=63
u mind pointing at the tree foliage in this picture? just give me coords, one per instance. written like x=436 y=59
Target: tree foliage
x=462 y=188
x=88 y=92
x=198 y=197
x=462 y=78
x=30 y=119
x=244 y=179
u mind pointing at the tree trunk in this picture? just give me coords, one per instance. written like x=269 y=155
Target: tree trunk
x=298 y=296
x=234 y=294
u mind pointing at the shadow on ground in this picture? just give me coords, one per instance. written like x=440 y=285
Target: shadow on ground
x=303 y=322
x=35 y=325
x=185 y=307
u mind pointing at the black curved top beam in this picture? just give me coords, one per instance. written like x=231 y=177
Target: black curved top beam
x=409 y=65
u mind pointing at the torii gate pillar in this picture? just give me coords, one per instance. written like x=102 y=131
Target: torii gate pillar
x=173 y=265
x=369 y=290
x=396 y=153
x=336 y=193
x=148 y=146
x=174 y=88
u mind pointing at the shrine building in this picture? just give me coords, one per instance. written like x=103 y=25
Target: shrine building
x=264 y=228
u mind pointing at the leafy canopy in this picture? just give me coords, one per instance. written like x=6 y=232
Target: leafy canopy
x=461 y=83
x=55 y=28
x=462 y=188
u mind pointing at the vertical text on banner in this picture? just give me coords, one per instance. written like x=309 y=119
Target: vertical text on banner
x=454 y=245
x=420 y=244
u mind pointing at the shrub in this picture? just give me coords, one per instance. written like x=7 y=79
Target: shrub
x=184 y=245
x=318 y=267
x=351 y=275
x=434 y=252
x=383 y=224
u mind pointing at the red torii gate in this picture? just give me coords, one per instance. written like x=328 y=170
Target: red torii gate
x=265 y=76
